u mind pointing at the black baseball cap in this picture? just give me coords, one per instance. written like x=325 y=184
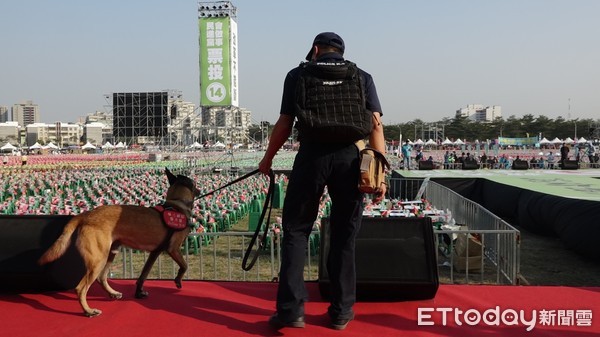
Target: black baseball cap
x=328 y=39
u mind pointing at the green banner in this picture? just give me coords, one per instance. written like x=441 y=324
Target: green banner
x=504 y=141
x=215 y=73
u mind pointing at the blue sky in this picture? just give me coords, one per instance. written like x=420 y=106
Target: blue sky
x=428 y=58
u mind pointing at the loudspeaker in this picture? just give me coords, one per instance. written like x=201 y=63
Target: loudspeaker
x=425 y=165
x=395 y=260
x=470 y=165
x=520 y=165
x=570 y=165
x=23 y=241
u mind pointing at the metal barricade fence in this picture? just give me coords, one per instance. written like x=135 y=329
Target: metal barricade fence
x=500 y=242
x=404 y=188
x=218 y=255
x=494 y=259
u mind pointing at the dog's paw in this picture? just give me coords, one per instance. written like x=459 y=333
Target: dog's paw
x=93 y=312
x=116 y=296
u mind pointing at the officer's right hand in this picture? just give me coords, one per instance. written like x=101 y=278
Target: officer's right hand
x=265 y=165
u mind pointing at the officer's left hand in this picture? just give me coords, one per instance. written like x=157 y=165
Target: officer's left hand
x=379 y=196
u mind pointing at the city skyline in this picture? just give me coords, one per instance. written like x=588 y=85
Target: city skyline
x=428 y=59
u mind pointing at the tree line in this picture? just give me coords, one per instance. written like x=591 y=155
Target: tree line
x=464 y=128
x=513 y=127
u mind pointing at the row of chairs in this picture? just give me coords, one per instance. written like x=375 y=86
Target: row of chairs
x=70 y=192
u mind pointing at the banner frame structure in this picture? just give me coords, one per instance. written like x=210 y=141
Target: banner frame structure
x=218 y=57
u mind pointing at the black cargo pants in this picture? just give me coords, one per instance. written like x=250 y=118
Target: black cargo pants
x=318 y=165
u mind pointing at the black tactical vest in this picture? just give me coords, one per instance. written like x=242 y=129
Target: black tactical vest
x=331 y=104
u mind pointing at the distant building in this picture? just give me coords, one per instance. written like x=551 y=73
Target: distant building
x=480 y=113
x=99 y=117
x=227 y=123
x=4 y=115
x=185 y=122
x=98 y=128
x=9 y=132
x=97 y=133
x=26 y=113
x=61 y=134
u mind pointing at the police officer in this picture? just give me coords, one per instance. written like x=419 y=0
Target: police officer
x=333 y=163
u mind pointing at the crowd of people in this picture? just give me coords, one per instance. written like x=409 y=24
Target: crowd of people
x=585 y=154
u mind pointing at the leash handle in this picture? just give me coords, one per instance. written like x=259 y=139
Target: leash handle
x=262 y=243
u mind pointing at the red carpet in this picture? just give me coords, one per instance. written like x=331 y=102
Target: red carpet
x=226 y=309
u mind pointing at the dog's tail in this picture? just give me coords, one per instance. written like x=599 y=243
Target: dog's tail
x=62 y=243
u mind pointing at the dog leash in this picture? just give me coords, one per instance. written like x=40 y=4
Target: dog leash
x=267 y=205
x=262 y=243
x=249 y=174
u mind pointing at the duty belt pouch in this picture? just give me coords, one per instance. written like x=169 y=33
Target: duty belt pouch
x=372 y=169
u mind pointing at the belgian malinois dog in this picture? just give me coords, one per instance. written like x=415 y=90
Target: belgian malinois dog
x=103 y=230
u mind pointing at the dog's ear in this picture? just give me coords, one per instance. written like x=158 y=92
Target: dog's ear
x=172 y=178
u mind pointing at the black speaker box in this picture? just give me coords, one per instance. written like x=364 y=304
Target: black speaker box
x=520 y=165
x=23 y=240
x=470 y=165
x=425 y=165
x=395 y=260
x=570 y=165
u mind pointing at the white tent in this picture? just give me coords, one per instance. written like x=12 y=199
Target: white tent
x=35 y=146
x=419 y=142
x=556 y=141
x=196 y=145
x=219 y=145
x=430 y=142
x=447 y=142
x=459 y=142
x=544 y=141
x=582 y=140
x=569 y=140
x=108 y=145
x=7 y=147
x=120 y=145
x=88 y=146
x=50 y=146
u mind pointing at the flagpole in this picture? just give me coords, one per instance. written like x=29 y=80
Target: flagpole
x=399 y=143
